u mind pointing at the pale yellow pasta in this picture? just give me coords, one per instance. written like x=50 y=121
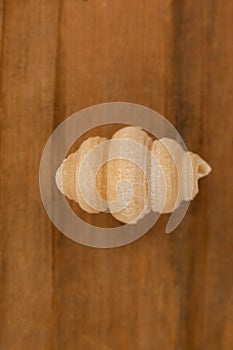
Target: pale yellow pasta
x=154 y=176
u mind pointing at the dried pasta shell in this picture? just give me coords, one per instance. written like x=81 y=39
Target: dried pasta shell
x=139 y=176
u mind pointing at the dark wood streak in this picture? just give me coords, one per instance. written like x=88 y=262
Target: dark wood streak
x=199 y=29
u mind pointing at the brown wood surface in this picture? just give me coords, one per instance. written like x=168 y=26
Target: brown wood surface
x=161 y=292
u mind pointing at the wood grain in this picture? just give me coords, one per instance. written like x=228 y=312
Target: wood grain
x=27 y=101
x=116 y=62
x=168 y=292
x=203 y=66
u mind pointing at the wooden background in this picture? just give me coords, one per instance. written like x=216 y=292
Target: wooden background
x=162 y=291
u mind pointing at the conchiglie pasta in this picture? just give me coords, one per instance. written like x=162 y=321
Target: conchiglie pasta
x=137 y=175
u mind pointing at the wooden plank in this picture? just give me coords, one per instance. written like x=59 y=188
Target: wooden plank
x=204 y=104
x=191 y=237
x=218 y=141
x=124 y=298
x=168 y=71
x=27 y=101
